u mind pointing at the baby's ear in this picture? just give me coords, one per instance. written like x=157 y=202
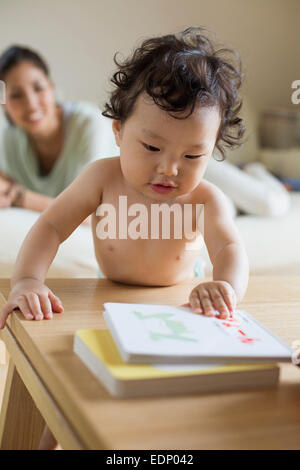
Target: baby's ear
x=116 y=126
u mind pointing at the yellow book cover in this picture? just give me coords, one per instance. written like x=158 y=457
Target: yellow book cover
x=97 y=350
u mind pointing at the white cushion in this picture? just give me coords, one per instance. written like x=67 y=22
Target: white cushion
x=75 y=257
x=272 y=244
x=253 y=190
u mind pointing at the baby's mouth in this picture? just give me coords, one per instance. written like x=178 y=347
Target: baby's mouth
x=162 y=188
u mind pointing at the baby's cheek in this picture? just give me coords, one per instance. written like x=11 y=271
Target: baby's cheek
x=135 y=171
x=189 y=182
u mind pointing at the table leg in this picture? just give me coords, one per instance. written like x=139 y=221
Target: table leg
x=21 y=424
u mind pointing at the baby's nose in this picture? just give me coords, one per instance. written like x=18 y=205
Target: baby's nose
x=168 y=167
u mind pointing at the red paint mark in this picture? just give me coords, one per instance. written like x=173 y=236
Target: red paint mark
x=232 y=322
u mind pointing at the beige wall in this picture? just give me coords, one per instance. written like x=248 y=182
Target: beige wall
x=79 y=38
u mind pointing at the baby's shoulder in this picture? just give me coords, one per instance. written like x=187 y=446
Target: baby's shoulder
x=214 y=200
x=106 y=168
x=207 y=192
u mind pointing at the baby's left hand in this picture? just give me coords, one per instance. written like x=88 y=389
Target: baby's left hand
x=210 y=296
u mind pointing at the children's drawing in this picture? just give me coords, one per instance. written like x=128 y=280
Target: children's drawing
x=177 y=329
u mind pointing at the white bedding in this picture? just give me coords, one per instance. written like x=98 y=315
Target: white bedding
x=272 y=244
x=75 y=257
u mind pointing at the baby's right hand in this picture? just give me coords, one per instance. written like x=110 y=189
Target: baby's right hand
x=35 y=301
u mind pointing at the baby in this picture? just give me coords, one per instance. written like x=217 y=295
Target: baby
x=175 y=101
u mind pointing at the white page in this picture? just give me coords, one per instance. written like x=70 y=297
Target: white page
x=164 y=330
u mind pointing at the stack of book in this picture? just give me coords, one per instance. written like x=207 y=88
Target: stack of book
x=154 y=350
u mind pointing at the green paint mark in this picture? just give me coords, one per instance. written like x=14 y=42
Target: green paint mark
x=157 y=336
x=177 y=328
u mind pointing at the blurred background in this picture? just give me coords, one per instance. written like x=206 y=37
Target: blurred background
x=78 y=38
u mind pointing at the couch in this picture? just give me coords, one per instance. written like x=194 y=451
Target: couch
x=272 y=243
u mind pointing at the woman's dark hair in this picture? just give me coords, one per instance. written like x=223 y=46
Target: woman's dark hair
x=179 y=72
x=14 y=55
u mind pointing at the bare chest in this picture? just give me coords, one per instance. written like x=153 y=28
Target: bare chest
x=150 y=244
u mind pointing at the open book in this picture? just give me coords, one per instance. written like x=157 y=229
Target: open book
x=175 y=335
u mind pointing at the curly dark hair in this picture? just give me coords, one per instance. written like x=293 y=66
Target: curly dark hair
x=179 y=72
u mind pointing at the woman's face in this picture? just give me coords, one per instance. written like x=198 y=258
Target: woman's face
x=30 y=99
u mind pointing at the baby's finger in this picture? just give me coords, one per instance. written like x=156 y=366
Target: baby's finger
x=24 y=308
x=46 y=306
x=219 y=303
x=229 y=297
x=6 y=310
x=195 y=302
x=206 y=304
x=56 y=303
x=34 y=304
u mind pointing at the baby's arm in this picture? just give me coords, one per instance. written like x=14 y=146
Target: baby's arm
x=228 y=257
x=68 y=210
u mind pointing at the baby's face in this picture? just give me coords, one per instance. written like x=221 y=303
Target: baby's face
x=163 y=157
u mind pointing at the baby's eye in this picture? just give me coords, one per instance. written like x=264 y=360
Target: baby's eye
x=151 y=148
x=192 y=157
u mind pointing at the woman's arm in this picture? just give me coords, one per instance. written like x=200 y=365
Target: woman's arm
x=31 y=200
x=13 y=194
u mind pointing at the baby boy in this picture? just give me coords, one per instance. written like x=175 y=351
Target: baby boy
x=175 y=101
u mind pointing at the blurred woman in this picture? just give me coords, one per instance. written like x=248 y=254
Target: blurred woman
x=45 y=144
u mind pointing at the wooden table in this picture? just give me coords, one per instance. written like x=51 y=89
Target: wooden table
x=47 y=382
